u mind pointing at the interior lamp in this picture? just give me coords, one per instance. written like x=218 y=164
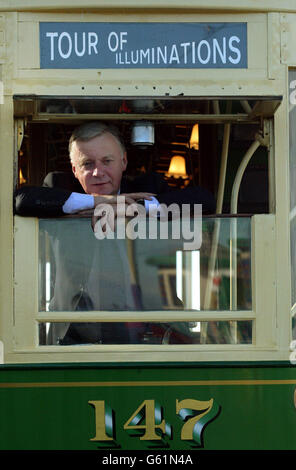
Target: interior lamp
x=194 y=138
x=22 y=180
x=142 y=134
x=177 y=167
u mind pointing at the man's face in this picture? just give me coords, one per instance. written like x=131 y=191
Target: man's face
x=98 y=164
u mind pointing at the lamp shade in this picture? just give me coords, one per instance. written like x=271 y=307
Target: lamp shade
x=194 y=139
x=22 y=180
x=177 y=167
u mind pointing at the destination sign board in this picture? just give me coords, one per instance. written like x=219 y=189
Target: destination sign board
x=88 y=45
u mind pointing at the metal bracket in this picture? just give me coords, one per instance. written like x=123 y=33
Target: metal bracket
x=20 y=131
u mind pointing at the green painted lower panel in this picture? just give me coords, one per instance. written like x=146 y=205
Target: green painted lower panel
x=176 y=407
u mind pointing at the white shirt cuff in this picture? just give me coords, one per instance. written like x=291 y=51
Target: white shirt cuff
x=78 y=202
x=151 y=202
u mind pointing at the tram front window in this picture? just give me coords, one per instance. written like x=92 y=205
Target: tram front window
x=143 y=289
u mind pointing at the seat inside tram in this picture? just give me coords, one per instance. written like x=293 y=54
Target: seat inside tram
x=45 y=125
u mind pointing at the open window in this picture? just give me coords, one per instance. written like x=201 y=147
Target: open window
x=50 y=121
x=153 y=288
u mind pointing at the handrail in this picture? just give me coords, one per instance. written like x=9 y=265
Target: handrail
x=259 y=140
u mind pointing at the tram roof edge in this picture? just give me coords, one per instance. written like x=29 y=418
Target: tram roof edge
x=197 y=5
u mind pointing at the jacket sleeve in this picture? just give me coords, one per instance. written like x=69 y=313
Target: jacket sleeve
x=192 y=195
x=40 y=201
x=154 y=183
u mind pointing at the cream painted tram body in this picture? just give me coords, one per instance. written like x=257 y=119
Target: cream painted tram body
x=216 y=367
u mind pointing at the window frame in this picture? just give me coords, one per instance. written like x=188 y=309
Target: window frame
x=263 y=314
x=266 y=345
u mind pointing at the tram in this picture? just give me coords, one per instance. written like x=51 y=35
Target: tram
x=215 y=367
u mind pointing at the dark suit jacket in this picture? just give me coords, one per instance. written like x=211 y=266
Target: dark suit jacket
x=48 y=200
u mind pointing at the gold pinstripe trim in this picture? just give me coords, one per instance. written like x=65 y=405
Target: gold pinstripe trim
x=173 y=383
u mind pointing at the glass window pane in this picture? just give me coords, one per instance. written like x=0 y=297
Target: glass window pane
x=220 y=332
x=78 y=272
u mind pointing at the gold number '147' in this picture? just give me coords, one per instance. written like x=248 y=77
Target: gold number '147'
x=147 y=420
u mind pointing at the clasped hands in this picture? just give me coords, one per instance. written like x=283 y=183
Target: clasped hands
x=108 y=207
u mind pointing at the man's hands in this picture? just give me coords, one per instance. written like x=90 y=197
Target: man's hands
x=108 y=207
x=130 y=198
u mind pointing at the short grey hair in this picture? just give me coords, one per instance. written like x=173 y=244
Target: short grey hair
x=90 y=130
